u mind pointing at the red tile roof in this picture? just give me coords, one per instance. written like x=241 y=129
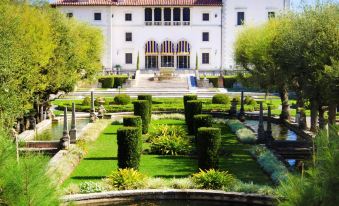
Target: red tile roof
x=137 y=3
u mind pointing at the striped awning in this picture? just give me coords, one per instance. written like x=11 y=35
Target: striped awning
x=183 y=48
x=167 y=48
x=151 y=48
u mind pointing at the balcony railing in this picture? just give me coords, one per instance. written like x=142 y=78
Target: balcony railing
x=148 y=23
x=167 y=23
x=176 y=23
x=157 y=23
x=186 y=23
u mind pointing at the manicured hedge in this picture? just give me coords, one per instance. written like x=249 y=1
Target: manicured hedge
x=129 y=147
x=229 y=81
x=86 y=101
x=194 y=107
x=141 y=108
x=209 y=140
x=202 y=120
x=107 y=81
x=220 y=99
x=132 y=121
x=119 y=80
x=122 y=99
x=186 y=98
x=147 y=97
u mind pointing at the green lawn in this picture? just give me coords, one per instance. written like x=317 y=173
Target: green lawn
x=102 y=159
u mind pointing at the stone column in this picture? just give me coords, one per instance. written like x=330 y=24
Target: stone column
x=241 y=115
x=261 y=130
x=64 y=141
x=269 y=136
x=73 y=131
x=93 y=117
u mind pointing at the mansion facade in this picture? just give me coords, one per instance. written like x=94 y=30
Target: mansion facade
x=170 y=33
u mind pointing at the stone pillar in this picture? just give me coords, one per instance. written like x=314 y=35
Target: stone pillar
x=261 y=130
x=241 y=115
x=269 y=136
x=93 y=116
x=73 y=131
x=64 y=141
x=233 y=110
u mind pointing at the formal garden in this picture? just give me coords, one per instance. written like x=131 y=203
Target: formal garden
x=276 y=148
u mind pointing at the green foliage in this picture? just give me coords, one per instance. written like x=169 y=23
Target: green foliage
x=319 y=184
x=132 y=121
x=119 y=80
x=229 y=81
x=246 y=135
x=250 y=101
x=214 y=180
x=129 y=147
x=202 y=120
x=170 y=145
x=147 y=97
x=212 y=79
x=167 y=130
x=107 y=81
x=122 y=99
x=90 y=187
x=209 y=140
x=127 y=179
x=194 y=107
x=187 y=98
x=141 y=108
x=99 y=100
x=220 y=99
x=86 y=101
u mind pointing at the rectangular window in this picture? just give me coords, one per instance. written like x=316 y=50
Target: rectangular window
x=205 y=58
x=148 y=14
x=157 y=14
x=128 y=17
x=128 y=58
x=205 y=36
x=186 y=14
x=205 y=16
x=167 y=14
x=240 y=18
x=128 y=36
x=97 y=16
x=69 y=15
x=176 y=14
x=271 y=14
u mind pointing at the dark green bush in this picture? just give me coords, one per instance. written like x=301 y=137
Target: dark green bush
x=107 y=81
x=119 y=80
x=229 y=81
x=129 y=147
x=202 y=120
x=132 y=121
x=86 y=101
x=209 y=140
x=194 y=107
x=147 y=97
x=237 y=99
x=141 y=108
x=122 y=99
x=220 y=99
x=250 y=101
x=186 y=98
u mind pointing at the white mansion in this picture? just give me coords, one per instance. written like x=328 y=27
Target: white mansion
x=170 y=33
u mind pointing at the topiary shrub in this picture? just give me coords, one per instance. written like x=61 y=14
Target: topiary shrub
x=141 y=108
x=229 y=81
x=107 y=81
x=126 y=179
x=214 y=180
x=147 y=97
x=220 y=99
x=122 y=99
x=86 y=101
x=194 y=107
x=209 y=140
x=187 y=98
x=132 y=121
x=129 y=147
x=119 y=80
x=202 y=120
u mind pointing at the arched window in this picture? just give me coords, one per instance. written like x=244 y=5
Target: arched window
x=183 y=55
x=151 y=55
x=167 y=54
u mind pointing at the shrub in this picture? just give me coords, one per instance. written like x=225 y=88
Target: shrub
x=129 y=147
x=187 y=98
x=246 y=135
x=170 y=145
x=90 y=187
x=182 y=183
x=107 y=81
x=132 y=121
x=122 y=99
x=141 y=108
x=194 y=107
x=250 y=101
x=213 y=179
x=237 y=99
x=126 y=179
x=220 y=99
x=98 y=100
x=175 y=116
x=253 y=188
x=209 y=140
x=212 y=79
x=229 y=81
x=119 y=80
x=167 y=130
x=86 y=101
x=147 y=97
x=202 y=120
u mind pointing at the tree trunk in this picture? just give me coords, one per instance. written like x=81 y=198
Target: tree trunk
x=322 y=121
x=314 y=115
x=285 y=107
x=332 y=110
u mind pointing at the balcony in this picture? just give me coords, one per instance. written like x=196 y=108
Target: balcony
x=157 y=23
x=167 y=23
x=186 y=23
x=148 y=23
x=176 y=23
